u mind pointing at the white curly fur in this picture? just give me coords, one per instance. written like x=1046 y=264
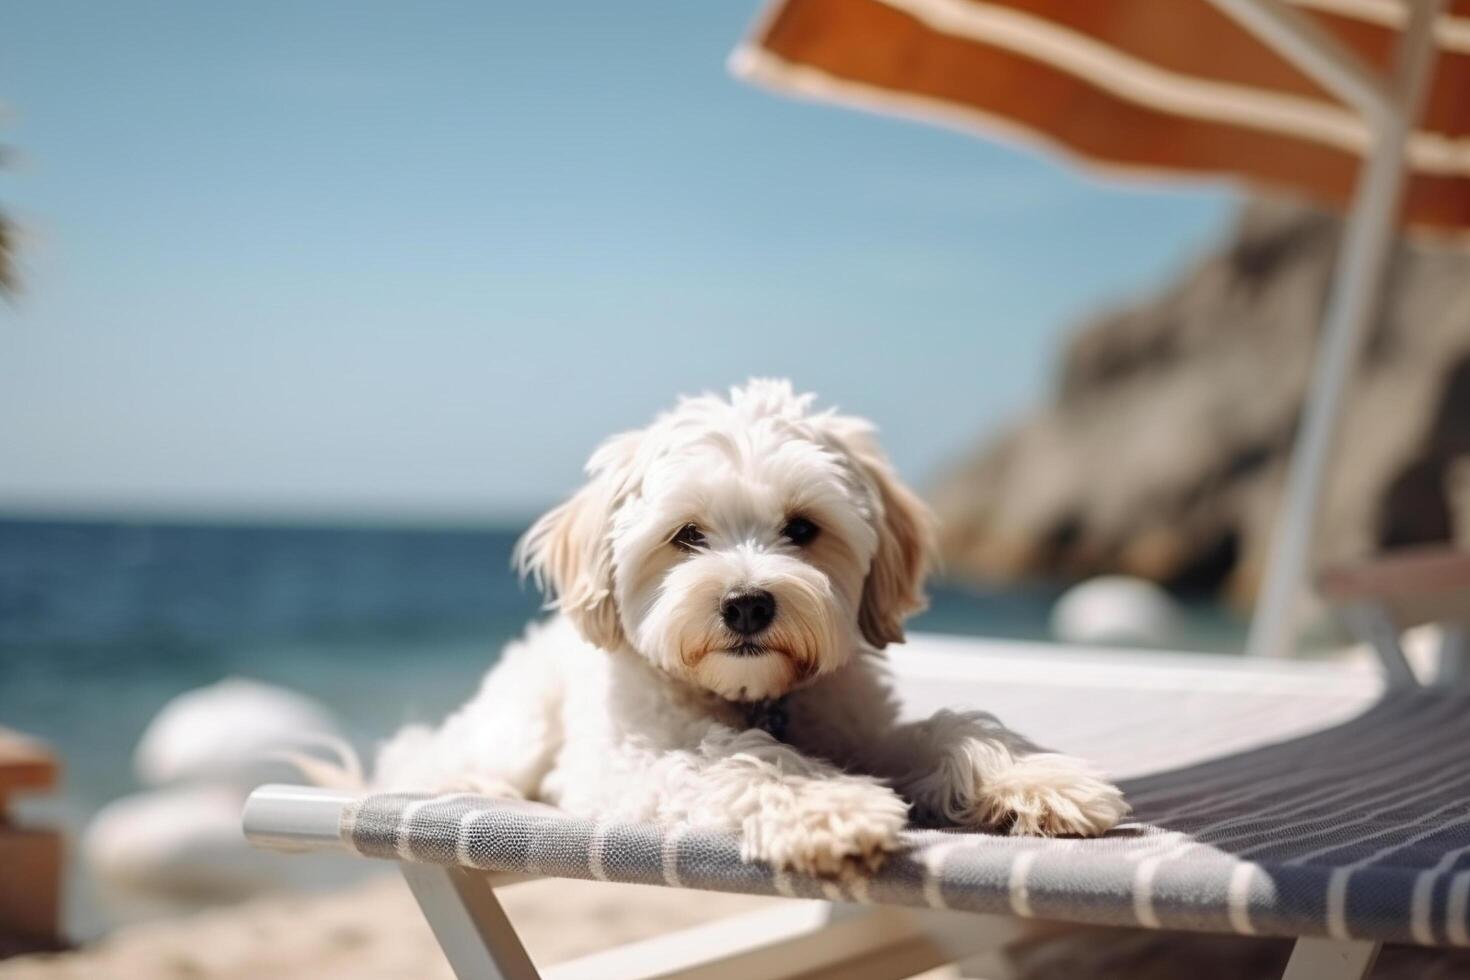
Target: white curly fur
x=635 y=702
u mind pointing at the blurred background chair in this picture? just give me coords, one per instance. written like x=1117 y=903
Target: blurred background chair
x=1381 y=599
x=30 y=885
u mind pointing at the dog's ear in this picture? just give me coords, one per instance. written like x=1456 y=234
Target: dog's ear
x=568 y=551
x=894 y=588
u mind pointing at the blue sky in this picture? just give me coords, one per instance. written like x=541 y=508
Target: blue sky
x=412 y=260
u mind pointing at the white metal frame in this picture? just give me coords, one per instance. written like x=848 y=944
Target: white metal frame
x=1390 y=108
x=803 y=938
x=1331 y=959
x=1373 y=622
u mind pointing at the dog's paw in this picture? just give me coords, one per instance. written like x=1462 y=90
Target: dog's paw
x=1048 y=795
x=828 y=827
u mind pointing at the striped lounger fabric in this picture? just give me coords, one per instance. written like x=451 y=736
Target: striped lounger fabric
x=1272 y=798
x=1294 y=801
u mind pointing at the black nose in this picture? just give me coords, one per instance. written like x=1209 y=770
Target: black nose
x=749 y=612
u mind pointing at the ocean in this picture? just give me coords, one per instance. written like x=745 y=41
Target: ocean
x=101 y=622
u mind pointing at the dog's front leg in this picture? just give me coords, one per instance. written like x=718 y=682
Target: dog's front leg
x=793 y=811
x=958 y=769
x=796 y=812
x=968 y=770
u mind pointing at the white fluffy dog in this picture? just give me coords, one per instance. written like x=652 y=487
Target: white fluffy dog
x=726 y=580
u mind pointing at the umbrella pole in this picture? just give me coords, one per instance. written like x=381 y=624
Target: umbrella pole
x=1352 y=301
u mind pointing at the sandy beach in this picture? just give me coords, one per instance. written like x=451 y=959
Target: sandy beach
x=374 y=931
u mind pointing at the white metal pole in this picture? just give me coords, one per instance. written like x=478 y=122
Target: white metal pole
x=1303 y=42
x=1357 y=279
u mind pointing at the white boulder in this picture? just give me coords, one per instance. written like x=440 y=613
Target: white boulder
x=1116 y=610
x=227 y=732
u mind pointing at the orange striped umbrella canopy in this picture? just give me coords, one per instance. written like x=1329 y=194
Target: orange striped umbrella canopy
x=1363 y=104
x=1150 y=86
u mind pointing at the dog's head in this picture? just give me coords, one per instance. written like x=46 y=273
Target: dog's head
x=745 y=545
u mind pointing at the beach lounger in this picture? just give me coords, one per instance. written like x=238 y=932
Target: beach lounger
x=1274 y=798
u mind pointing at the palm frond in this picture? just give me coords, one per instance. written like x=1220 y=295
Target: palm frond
x=7 y=257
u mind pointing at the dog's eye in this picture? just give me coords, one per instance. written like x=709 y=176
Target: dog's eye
x=800 y=531
x=688 y=537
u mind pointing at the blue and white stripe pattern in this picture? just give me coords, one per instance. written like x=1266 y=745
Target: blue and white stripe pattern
x=1361 y=830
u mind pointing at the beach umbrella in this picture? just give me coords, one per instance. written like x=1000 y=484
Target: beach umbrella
x=1358 y=104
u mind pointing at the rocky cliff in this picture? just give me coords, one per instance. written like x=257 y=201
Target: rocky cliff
x=1162 y=452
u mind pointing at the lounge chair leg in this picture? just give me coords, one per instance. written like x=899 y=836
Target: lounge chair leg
x=807 y=939
x=1454 y=651
x=469 y=923
x=1315 y=958
x=1372 y=624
